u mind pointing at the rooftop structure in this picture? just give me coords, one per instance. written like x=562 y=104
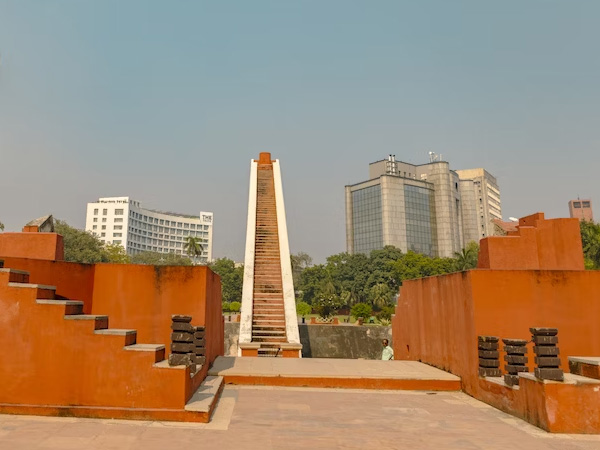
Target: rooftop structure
x=123 y=221
x=581 y=209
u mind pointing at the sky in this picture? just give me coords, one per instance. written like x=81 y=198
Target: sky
x=167 y=103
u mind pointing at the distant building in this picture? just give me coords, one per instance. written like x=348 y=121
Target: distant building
x=120 y=220
x=581 y=209
x=481 y=204
x=423 y=208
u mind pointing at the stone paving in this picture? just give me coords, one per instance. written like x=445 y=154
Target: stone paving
x=289 y=418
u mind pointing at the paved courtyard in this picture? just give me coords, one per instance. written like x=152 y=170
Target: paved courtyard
x=288 y=418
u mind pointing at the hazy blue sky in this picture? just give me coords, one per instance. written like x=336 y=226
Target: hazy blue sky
x=167 y=102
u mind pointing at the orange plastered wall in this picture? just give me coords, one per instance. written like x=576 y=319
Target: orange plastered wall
x=48 y=360
x=144 y=298
x=439 y=318
x=48 y=246
x=538 y=244
x=73 y=281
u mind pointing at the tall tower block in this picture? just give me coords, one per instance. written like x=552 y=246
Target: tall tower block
x=268 y=324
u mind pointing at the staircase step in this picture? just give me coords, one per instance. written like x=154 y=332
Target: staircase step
x=43 y=291
x=158 y=349
x=100 y=322
x=71 y=306
x=16 y=276
x=205 y=398
x=267 y=333
x=130 y=335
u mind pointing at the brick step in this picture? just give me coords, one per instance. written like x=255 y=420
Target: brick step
x=157 y=351
x=265 y=315
x=16 y=276
x=71 y=307
x=129 y=336
x=43 y=291
x=100 y=322
x=271 y=339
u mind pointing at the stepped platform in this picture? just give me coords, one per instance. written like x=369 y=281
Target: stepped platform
x=333 y=373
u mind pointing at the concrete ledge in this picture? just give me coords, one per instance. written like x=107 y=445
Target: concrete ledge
x=590 y=360
x=205 y=398
x=145 y=348
x=117 y=332
x=104 y=412
x=43 y=301
x=32 y=286
x=86 y=317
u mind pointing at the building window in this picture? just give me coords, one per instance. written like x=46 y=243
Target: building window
x=96 y=211
x=193 y=226
x=104 y=227
x=186 y=225
x=94 y=227
x=104 y=212
x=117 y=235
x=118 y=227
x=95 y=219
x=162 y=222
x=179 y=224
x=102 y=234
x=118 y=219
x=104 y=219
x=118 y=212
x=116 y=242
x=576 y=204
x=586 y=204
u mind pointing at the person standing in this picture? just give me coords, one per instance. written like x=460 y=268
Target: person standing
x=388 y=352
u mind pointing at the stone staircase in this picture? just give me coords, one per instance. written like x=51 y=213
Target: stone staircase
x=268 y=315
x=63 y=342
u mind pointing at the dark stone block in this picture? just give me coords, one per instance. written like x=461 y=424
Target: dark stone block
x=182 y=326
x=176 y=359
x=549 y=374
x=515 y=342
x=515 y=350
x=199 y=328
x=200 y=351
x=545 y=340
x=200 y=360
x=544 y=331
x=512 y=369
x=182 y=337
x=199 y=334
x=546 y=351
x=489 y=354
x=200 y=342
x=516 y=359
x=181 y=318
x=489 y=362
x=488 y=372
x=547 y=361
x=488 y=338
x=511 y=380
x=487 y=345
x=180 y=347
x=193 y=368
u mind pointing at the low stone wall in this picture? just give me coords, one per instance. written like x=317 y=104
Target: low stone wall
x=328 y=341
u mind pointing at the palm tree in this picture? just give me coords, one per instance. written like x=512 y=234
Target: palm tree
x=380 y=295
x=193 y=247
x=465 y=259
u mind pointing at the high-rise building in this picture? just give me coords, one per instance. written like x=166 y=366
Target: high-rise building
x=420 y=207
x=581 y=209
x=123 y=221
x=480 y=203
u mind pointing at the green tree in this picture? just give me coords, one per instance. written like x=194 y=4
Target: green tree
x=235 y=306
x=116 y=254
x=303 y=309
x=381 y=295
x=590 y=241
x=467 y=258
x=161 y=259
x=193 y=248
x=386 y=313
x=300 y=261
x=80 y=246
x=327 y=302
x=1 y=226
x=310 y=280
x=226 y=306
x=363 y=310
x=232 y=278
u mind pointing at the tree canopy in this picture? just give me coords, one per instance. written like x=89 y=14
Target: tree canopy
x=80 y=246
x=590 y=240
x=161 y=259
x=232 y=278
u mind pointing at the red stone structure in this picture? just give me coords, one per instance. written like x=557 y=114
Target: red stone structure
x=92 y=340
x=533 y=277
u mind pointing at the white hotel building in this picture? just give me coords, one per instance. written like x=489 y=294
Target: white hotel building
x=120 y=220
